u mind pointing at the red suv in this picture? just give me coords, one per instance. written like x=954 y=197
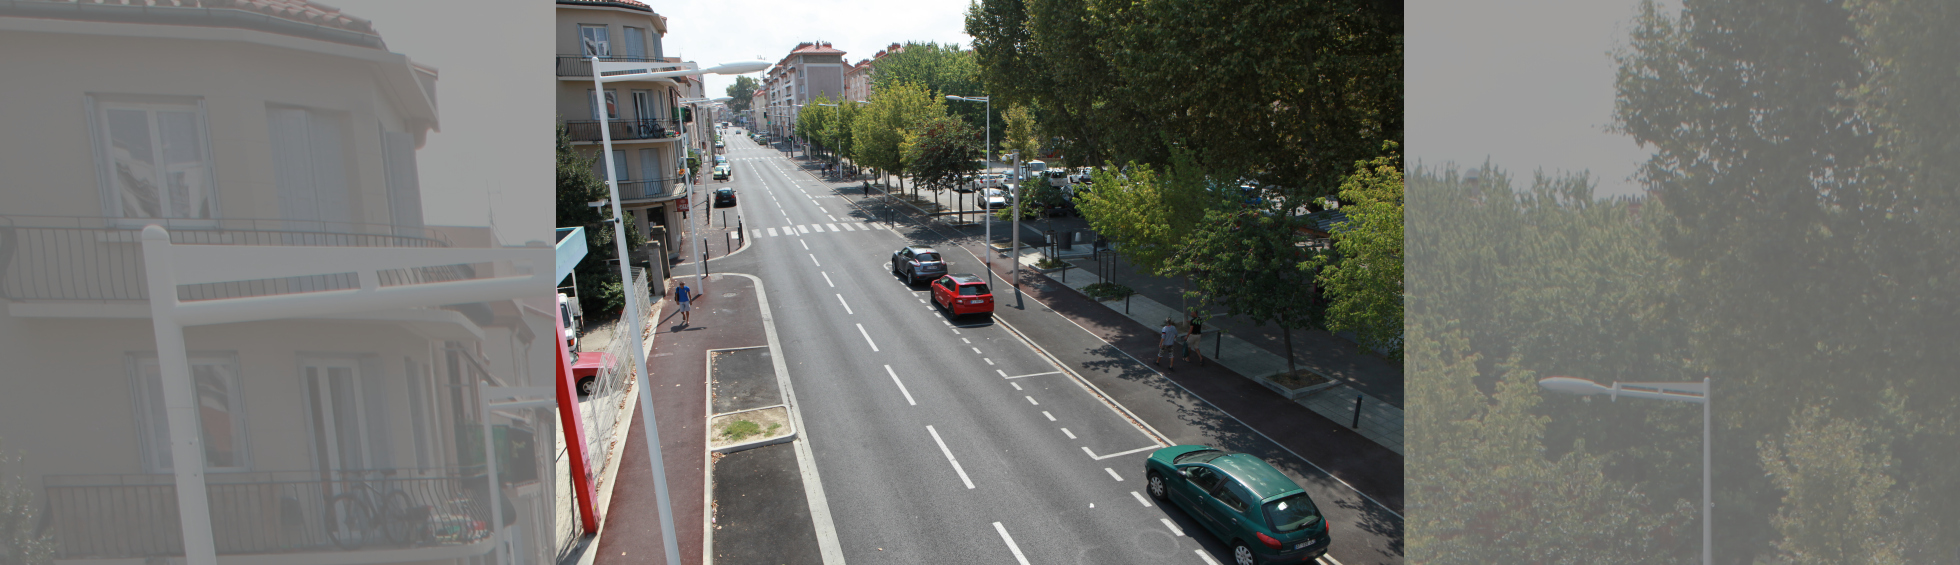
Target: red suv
x=963 y=294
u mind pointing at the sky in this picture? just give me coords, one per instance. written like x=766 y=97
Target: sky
x=712 y=33
x=1526 y=84
x=489 y=157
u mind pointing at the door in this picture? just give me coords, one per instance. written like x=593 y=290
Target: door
x=1226 y=507
x=1194 y=491
x=338 y=415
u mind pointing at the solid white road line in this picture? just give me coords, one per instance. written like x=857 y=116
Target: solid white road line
x=867 y=338
x=1071 y=435
x=1031 y=400
x=956 y=467
x=1003 y=374
x=1140 y=499
x=806 y=244
x=1051 y=417
x=1206 y=557
x=826 y=279
x=840 y=300
x=1092 y=454
x=901 y=388
x=1113 y=475
x=1173 y=526
x=1010 y=543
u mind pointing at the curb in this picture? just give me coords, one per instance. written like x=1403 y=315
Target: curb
x=787 y=437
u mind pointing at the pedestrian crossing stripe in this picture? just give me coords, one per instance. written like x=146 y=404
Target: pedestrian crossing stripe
x=819 y=228
x=802 y=229
x=833 y=227
x=772 y=232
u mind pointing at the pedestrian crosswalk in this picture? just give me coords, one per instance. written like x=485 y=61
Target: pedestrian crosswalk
x=800 y=229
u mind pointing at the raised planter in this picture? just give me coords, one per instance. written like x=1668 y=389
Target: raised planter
x=1295 y=393
x=764 y=418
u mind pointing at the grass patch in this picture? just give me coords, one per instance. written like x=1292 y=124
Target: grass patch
x=742 y=429
x=1049 y=263
x=1106 y=291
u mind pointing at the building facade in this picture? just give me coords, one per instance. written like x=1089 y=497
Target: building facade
x=239 y=131
x=810 y=70
x=857 y=78
x=644 y=117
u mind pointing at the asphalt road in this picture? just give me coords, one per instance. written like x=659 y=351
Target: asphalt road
x=942 y=440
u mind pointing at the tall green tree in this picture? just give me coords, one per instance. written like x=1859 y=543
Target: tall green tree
x=1021 y=133
x=813 y=121
x=742 y=93
x=881 y=128
x=1248 y=262
x=1363 y=278
x=942 y=152
x=943 y=70
x=599 y=287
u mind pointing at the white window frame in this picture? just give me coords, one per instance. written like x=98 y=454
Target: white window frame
x=111 y=195
x=612 y=102
x=587 y=42
x=147 y=388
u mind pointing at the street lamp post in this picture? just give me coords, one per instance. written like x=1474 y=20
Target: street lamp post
x=651 y=430
x=990 y=165
x=1683 y=392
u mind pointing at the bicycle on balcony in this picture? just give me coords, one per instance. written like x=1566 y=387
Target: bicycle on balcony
x=368 y=511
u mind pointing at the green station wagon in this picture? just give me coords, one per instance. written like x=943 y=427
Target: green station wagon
x=1264 y=516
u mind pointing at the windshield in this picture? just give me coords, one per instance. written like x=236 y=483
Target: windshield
x=973 y=289
x=928 y=257
x=1201 y=456
x=1292 y=513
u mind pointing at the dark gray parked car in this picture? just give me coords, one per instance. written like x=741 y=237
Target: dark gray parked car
x=918 y=264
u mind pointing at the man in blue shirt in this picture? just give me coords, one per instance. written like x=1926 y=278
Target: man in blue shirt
x=685 y=297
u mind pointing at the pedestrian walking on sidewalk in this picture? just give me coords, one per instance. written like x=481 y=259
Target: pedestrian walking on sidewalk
x=1192 y=350
x=1167 y=338
x=685 y=297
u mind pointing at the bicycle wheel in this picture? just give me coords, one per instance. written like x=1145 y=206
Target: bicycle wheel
x=349 y=521
x=394 y=518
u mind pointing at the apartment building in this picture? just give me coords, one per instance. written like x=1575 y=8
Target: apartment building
x=810 y=70
x=857 y=78
x=215 y=276
x=645 y=117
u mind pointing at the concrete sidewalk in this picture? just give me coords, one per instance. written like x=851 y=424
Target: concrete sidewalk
x=1380 y=421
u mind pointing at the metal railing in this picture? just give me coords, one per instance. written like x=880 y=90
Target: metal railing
x=641 y=189
x=135 y=516
x=97 y=258
x=581 y=65
x=601 y=412
x=624 y=129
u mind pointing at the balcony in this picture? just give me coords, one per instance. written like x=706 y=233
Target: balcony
x=409 y=513
x=587 y=131
x=580 y=66
x=58 y=258
x=651 y=189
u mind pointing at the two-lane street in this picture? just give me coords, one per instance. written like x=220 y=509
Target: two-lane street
x=942 y=439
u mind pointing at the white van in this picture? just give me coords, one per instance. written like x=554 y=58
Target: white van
x=569 y=315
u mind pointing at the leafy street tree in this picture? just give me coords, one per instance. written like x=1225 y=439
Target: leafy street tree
x=814 y=119
x=1286 y=93
x=599 y=287
x=880 y=129
x=943 y=70
x=942 y=152
x=1021 y=135
x=741 y=93
x=1148 y=214
x=837 y=133
x=1247 y=262
x=1363 y=279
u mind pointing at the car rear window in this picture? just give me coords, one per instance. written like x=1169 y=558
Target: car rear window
x=1292 y=513
x=926 y=257
x=1201 y=456
x=973 y=289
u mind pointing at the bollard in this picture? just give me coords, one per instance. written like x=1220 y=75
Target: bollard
x=1217 y=343
x=1357 y=412
x=1126 y=303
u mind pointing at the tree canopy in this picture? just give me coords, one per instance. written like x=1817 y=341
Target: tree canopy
x=742 y=93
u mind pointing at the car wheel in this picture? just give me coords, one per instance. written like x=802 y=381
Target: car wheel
x=1157 y=486
x=587 y=386
x=1242 y=555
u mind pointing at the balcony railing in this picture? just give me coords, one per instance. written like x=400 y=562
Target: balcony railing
x=135 y=516
x=624 y=129
x=581 y=66
x=642 y=189
x=94 y=258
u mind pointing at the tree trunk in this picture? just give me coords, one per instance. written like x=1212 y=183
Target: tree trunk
x=1286 y=336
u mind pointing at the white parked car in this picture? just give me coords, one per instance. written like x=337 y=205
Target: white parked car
x=997 y=198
